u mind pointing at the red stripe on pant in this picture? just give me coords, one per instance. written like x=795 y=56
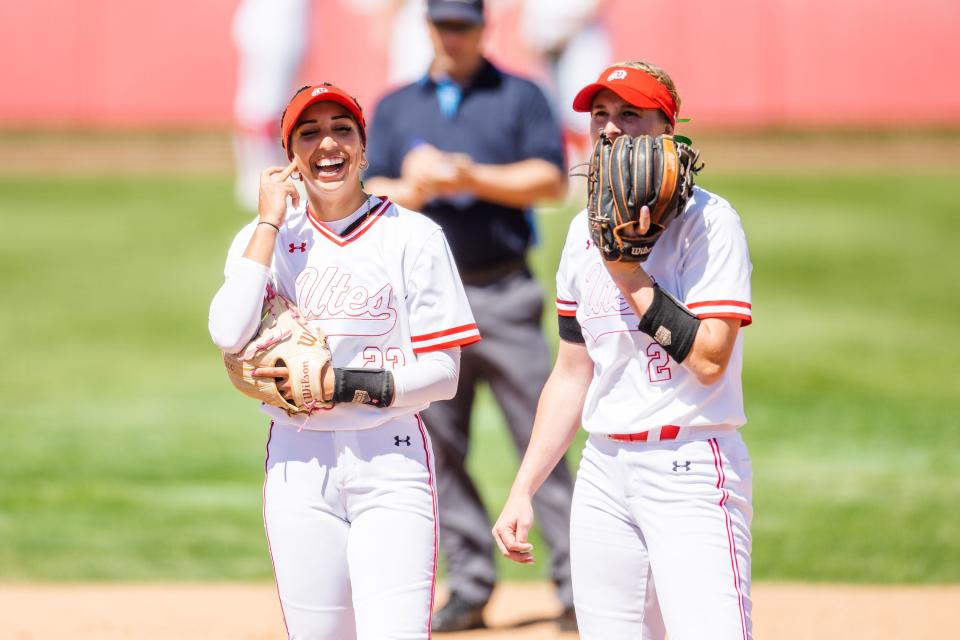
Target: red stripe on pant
x=436 y=525
x=266 y=469
x=731 y=543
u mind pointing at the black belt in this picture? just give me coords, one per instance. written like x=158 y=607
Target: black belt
x=494 y=273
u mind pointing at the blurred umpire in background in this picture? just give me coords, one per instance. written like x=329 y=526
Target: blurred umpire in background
x=473 y=148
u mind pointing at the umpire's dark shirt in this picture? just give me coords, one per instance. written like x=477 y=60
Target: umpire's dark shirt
x=501 y=119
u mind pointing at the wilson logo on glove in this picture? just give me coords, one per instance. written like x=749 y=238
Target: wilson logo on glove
x=283 y=340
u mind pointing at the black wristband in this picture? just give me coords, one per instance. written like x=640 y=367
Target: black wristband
x=670 y=324
x=271 y=224
x=363 y=386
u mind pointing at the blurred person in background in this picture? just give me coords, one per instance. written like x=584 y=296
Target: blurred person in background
x=271 y=40
x=474 y=148
x=571 y=41
x=398 y=25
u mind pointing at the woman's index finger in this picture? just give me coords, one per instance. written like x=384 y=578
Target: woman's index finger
x=288 y=170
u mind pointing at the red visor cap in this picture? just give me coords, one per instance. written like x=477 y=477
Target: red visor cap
x=313 y=95
x=633 y=85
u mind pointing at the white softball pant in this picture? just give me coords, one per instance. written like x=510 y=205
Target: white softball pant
x=660 y=539
x=350 y=518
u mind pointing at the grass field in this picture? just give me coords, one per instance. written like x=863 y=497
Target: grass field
x=128 y=455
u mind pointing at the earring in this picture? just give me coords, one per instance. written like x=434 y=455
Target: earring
x=296 y=175
x=364 y=164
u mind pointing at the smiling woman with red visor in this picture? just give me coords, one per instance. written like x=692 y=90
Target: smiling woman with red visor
x=349 y=496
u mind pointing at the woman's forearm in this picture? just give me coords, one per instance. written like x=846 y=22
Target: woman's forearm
x=557 y=421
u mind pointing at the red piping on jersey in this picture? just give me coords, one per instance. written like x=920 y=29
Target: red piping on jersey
x=744 y=320
x=276 y=581
x=436 y=523
x=445 y=332
x=731 y=542
x=568 y=313
x=719 y=303
x=462 y=342
x=353 y=235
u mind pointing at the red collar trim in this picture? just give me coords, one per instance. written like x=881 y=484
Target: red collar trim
x=341 y=241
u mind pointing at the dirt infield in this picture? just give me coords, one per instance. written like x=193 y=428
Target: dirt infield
x=518 y=612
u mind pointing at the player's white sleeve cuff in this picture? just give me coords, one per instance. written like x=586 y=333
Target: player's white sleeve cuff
x=448 y=338
x=566 y=307
x=723 y=309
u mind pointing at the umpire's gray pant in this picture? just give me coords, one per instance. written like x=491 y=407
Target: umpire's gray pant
x=514 y=359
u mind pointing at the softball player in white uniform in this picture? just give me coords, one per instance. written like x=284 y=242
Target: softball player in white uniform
x=660 y=525
x=349 y=495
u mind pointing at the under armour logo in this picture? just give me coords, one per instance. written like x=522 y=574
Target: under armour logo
x=618 y=74
x=397 y=440
x=318 y=91
x=302 y=247
x=685 y=465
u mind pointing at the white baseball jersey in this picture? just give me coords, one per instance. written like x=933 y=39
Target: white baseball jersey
x=702 y=260
x=383 y=292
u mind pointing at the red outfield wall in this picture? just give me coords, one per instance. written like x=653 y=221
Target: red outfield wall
x=131 y=63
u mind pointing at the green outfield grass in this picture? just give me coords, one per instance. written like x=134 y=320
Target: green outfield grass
x=128 y=455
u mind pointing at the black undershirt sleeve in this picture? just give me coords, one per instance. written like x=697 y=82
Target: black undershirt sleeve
x=570 y=329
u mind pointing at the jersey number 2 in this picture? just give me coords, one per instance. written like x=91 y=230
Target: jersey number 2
x=658 y=364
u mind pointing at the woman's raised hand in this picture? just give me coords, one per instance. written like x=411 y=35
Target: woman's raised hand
x=275 y=186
